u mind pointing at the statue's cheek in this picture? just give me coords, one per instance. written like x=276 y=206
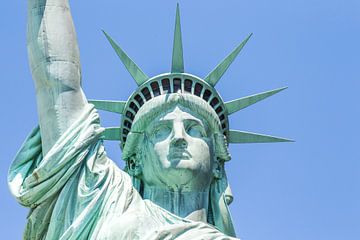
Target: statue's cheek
x=161 y=152
x=201 y=152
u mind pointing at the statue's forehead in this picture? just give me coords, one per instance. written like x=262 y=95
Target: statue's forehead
x=178 y=112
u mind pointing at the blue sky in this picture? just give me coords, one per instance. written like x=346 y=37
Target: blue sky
x=303 y=190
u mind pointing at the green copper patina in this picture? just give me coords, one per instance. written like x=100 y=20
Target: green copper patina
x=174 y=136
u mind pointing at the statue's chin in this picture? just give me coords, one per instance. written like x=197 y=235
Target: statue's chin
x=178 y=173
x=186 y=177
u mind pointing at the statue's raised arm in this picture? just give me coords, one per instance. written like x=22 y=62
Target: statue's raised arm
x=55 y=66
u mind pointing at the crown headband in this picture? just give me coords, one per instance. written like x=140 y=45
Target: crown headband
x=178 y=81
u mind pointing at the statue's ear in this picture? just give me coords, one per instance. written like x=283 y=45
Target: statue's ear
x=218 y=169
x=133 y=164
x=221 y=147
x=134 y=169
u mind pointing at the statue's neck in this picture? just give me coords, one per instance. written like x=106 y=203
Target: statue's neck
x=190 y=205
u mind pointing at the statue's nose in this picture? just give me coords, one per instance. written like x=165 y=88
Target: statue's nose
x=179 y=136
x=179 y=142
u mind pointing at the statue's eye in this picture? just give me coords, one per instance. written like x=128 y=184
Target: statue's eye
x=196 y=130
x=161 y=132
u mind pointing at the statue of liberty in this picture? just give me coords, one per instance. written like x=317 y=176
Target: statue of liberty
x=174 y=136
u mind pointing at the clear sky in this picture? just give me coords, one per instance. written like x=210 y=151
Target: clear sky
x=303 y=190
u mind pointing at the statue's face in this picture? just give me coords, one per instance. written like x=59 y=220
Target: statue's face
x=179 y=152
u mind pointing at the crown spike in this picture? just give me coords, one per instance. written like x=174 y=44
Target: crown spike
x=241 y=103
x=248 y=137
x=112 y=134
x=177 y=56
x=214 y=76
x=139 y=76
x=110 y=106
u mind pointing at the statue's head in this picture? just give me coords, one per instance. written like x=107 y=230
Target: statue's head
x=175 y=130
x=172 y=136
x=176 y=141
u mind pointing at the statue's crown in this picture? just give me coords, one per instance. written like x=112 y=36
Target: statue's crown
x=178 y=81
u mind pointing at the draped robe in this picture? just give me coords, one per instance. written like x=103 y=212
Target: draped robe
x=76 y=192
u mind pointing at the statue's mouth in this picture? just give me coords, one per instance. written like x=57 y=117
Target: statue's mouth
x=177 y=154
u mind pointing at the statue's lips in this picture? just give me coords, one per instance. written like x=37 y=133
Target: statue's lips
x=179 y=154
